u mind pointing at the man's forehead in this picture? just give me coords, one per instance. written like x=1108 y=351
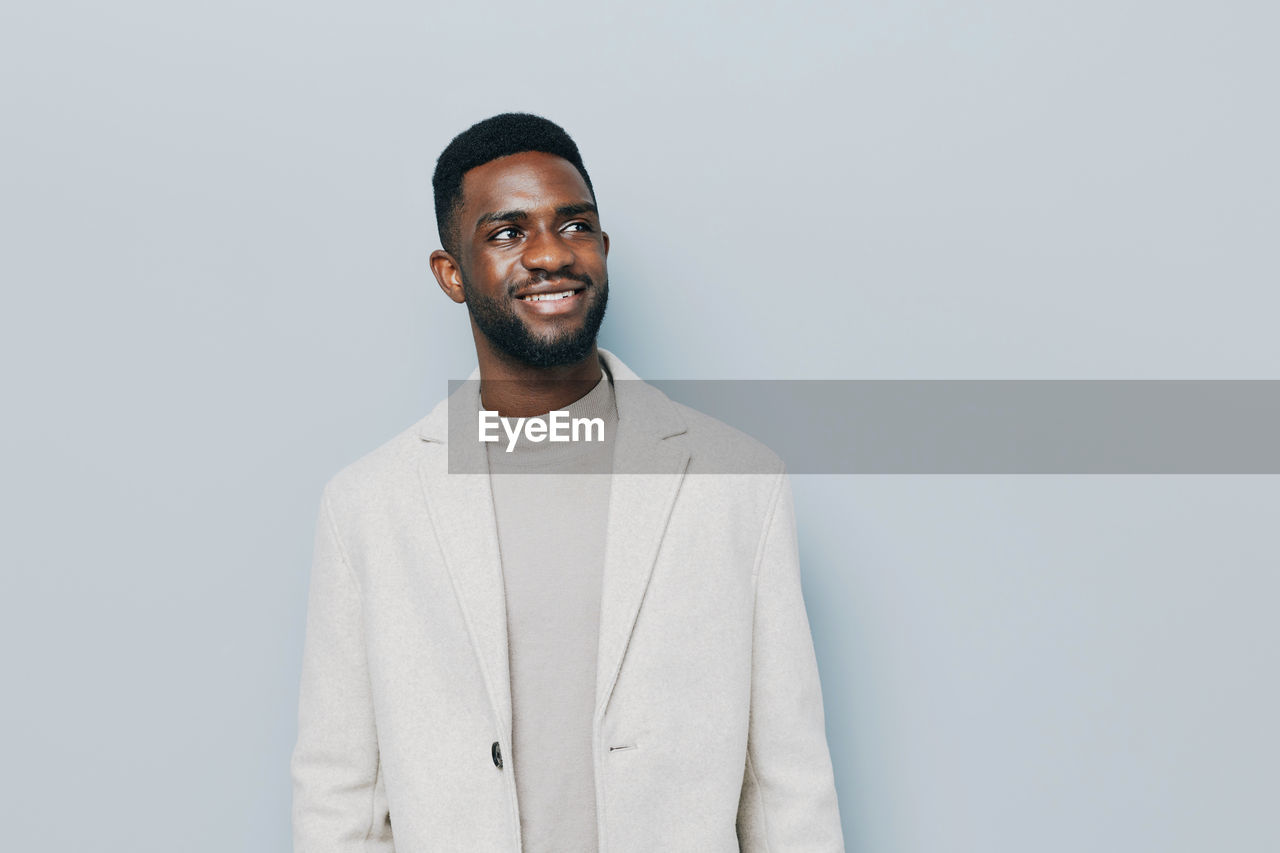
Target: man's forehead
x=521 y=180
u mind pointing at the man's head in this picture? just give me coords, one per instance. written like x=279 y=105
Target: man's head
x=523 y=247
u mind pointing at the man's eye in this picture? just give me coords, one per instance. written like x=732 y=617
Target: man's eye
x=581 y=226
x=506 y=234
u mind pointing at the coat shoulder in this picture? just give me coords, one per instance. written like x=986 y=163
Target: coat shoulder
x=717 y=447
x=377 y=475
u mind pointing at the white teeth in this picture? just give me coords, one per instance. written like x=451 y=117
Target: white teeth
x=543 y=297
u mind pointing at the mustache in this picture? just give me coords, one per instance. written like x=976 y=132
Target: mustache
x=581 y=278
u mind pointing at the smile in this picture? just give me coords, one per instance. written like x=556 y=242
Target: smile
x=547 y=297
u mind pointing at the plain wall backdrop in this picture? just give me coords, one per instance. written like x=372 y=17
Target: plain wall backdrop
x=216 y=221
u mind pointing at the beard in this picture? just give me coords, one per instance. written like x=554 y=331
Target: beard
x=498 y=320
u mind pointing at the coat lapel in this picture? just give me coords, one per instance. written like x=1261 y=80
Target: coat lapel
x=462 y=516
x=648 y=472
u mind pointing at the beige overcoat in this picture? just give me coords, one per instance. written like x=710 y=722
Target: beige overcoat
x=708 y=726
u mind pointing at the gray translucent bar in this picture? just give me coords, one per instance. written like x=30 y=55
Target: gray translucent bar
x=992 y=426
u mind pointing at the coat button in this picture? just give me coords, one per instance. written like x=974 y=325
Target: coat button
x=496 y=752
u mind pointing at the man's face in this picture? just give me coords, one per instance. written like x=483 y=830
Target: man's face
x=531 y=257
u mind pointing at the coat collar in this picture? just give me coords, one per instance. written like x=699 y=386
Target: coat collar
x=461 y=511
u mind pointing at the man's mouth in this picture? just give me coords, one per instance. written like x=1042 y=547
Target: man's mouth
x=548 y=297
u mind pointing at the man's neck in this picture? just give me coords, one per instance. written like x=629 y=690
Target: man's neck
x=517 y=390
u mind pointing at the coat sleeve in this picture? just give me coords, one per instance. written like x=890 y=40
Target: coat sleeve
x=788 y=801
x=339 y=801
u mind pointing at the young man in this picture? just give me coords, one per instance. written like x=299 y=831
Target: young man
x=592 y=645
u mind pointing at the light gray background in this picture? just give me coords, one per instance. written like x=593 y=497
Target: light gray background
x=216 y=222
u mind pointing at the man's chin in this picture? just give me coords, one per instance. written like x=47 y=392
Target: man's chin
x=553 y=354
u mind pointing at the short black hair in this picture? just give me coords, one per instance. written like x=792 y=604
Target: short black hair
x=499 y=136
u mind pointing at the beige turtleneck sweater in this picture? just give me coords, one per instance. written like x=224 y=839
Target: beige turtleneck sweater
x=552 y=507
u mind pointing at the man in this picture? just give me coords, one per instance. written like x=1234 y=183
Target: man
x=587 y=646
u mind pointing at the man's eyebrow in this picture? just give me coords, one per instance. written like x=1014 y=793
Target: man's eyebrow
x=577 y=209
x=502 y=216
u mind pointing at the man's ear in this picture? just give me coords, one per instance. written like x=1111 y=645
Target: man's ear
x=605 y=235
x=448 y=275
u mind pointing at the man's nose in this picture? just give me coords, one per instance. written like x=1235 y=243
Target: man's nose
x=547 y=251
